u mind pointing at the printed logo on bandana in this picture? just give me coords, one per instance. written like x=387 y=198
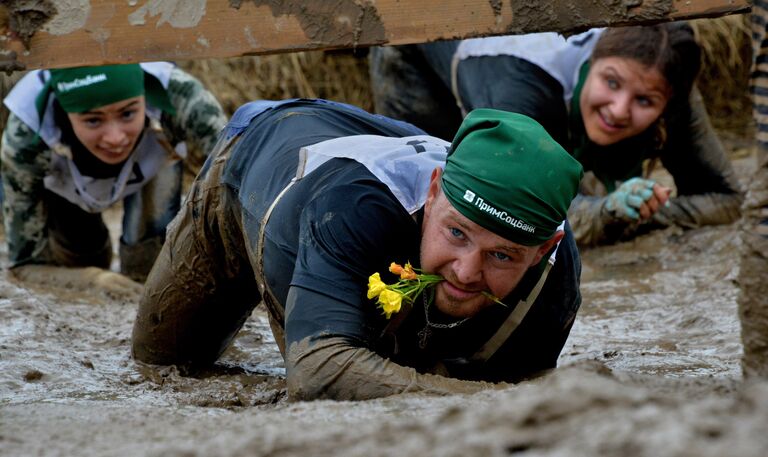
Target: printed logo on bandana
x=469 y=196
x=500 y=214
x=81 y=82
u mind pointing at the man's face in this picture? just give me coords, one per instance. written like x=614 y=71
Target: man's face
x=621 y=98
x=110 y=132
x=469 y=257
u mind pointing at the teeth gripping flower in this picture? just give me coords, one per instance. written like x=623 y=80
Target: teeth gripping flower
x=411 y=284
x=391 y=296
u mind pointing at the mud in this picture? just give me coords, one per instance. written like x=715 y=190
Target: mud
x=573 y=16
x=177 y=13
x=71 y=15
x=27 y=16
x=752 y=310
x=652 y=368
x=345 y=23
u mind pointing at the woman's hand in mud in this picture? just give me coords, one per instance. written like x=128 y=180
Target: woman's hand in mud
x=114 y=285
x=636 y=199
x=86 y=279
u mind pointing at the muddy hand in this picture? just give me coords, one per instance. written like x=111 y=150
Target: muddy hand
x=636 y=199
x=658 y=199
x=111 y=284
x=114 y=285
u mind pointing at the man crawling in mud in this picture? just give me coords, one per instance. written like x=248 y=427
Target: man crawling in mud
x=305 y=204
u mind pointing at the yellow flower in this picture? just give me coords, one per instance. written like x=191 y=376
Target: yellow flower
x=390 y=301
x=375 y=286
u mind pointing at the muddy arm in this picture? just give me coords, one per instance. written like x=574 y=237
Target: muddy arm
x=692 y=211
x=591 y=223
x=332 y=368
x=707 y=188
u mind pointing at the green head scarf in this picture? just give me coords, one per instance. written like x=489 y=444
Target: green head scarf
x=82 y=89
x=506 y=173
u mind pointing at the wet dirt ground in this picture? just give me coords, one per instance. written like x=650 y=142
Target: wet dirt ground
x=651 y=369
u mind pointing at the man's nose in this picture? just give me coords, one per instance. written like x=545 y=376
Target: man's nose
x=468 y=267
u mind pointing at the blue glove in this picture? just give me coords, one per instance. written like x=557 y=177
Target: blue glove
x=625 y=201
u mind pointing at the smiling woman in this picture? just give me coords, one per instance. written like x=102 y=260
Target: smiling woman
x=616 y=99
x=81 y=140
x=621 y=98
x=110 y=132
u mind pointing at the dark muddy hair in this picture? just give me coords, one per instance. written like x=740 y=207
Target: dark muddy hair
x=671 y=48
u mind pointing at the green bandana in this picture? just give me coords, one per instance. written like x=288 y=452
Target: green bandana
x=82 y=89
x=507 y=174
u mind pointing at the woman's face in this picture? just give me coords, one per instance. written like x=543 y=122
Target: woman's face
x=621 y=98
x=110 y=132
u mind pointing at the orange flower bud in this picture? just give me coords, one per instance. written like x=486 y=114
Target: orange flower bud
x=395 y=268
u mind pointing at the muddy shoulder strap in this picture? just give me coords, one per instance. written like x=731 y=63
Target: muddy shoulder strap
x=266 y=294
x=513 y=321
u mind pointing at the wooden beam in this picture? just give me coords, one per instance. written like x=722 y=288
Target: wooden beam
x=61 y=33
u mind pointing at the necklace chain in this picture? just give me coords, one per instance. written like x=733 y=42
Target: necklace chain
x=426 y=332
x=435 y=324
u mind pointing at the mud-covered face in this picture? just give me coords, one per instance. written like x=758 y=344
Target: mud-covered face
x=621 y=98
x=470 y=258
x=110 y=132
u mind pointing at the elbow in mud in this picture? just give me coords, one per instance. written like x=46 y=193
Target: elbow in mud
x=333 y=368
x=314 y=367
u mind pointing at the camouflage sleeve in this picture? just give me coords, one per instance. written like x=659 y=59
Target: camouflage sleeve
x=199 y=116
x=25 y=159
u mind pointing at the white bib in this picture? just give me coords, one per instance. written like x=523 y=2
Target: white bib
x=404 y=164
x=97 y=194
x=560 y=57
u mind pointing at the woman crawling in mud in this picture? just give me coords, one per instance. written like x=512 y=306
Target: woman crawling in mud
x=81 y=140
x=614 y=98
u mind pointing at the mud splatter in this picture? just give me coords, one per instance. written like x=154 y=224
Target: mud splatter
x=177 y=13
x=574 y=16
x=71 y=15
x=337 y=23
x=27 y=17
x=496 y=7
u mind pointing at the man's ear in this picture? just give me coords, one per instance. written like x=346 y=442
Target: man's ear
x=434 y=188
x=545 y=247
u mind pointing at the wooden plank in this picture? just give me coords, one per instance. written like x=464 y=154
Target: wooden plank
x=61 y=33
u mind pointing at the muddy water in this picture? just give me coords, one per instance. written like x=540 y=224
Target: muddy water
x=651 y=369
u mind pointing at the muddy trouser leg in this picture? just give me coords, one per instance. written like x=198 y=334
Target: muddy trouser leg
x=76 y=238
x=753 y=301
x=406 y=88
x=147 y=213
x=202 y=288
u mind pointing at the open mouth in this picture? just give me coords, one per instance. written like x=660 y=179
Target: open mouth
x=608 y=124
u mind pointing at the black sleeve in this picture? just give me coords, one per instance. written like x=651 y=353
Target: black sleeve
x=346 y=234
x=693 y=153
x=405 y=86
x=512 y=84
x=708 y=191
